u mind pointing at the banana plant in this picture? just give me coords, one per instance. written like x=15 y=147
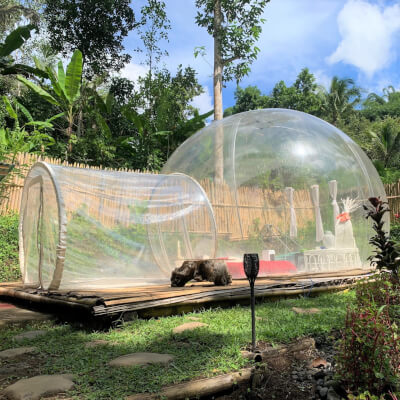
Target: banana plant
x=13 y=42
x=30 y=137
x=68 y=94
x=146 y=141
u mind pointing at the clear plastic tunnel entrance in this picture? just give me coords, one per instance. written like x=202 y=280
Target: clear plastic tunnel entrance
x=82 y=228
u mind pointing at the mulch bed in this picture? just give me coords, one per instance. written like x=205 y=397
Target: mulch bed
x=294 y=377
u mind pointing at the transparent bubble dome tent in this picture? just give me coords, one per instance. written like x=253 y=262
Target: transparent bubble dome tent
x=281 y=183
x=291 y=187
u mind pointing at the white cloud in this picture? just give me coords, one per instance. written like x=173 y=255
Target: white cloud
x=296 y=34
x=133 y=71
x=367 y=35
x=203 y=102
x=323 y=79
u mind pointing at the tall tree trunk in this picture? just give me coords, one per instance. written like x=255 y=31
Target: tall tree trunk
x=218 y=113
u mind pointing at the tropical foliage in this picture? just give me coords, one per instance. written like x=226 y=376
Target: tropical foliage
x=94 y=116
x=73 y=24
x=68 y=95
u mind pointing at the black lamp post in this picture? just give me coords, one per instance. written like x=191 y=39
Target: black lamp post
x=251 y=266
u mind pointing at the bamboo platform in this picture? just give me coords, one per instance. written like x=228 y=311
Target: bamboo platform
x=164 y=300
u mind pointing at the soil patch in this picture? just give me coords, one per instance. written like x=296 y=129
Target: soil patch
x=302 y=370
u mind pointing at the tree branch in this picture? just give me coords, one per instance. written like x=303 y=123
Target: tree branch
x=229 y=60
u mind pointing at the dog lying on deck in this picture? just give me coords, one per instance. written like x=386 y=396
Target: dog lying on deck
x=201 y=270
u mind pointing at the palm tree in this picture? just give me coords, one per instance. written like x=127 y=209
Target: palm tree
x=387 y=138
x=341 y=99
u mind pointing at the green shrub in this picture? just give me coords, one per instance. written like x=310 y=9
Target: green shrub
x=369 y=352
x=9 y=264
x=380 y=289
x=395 y=231
x=368 y=396
x=368 y=357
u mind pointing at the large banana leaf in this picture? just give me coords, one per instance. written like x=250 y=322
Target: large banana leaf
x=11 y=112
x=24 y=111
x=23 y=69
x=38 y=63
x=42 y=93
x=61 y=76
x=59 y=91
x=132 y=116
x=74 y=76
x=103 y=125
x=40 y=124
x=15 y=40
x=55 y=117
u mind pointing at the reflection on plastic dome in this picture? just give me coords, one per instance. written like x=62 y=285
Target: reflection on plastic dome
x=292 y=191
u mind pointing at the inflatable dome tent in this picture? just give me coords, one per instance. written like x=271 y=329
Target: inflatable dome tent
x=290 y=188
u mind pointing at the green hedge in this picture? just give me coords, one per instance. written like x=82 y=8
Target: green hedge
x=9 y=264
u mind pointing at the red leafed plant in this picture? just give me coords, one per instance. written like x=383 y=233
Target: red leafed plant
x=368 y=357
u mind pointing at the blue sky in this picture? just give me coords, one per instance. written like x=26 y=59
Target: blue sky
x=356 y=39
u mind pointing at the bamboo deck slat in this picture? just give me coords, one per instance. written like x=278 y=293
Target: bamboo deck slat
x=109 y=302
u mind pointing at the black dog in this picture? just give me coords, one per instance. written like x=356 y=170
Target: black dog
x=214 y=271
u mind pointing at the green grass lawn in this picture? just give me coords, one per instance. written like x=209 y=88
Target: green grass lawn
x=203 y=352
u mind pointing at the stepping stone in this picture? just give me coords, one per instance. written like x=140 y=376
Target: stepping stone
x=141 y=359
x=318 y=362
x=96 y=343
x=299 y=310
x=188 y=326
x=29 y=335
x=39 y=386
x=194 y=318
x=19 y=351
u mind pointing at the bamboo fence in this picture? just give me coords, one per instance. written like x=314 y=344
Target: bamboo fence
x=238 y=215
x=23 y=162
x=393 y=195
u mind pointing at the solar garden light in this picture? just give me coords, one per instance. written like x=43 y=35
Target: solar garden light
x=251 y=266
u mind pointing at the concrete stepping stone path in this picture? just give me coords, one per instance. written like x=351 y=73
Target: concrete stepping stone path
x=129 y=360
x=29 y=335
x=189 y=326
x=39 y=386
x=18 y=351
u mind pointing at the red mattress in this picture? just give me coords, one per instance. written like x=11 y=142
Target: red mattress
x=235 y=268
